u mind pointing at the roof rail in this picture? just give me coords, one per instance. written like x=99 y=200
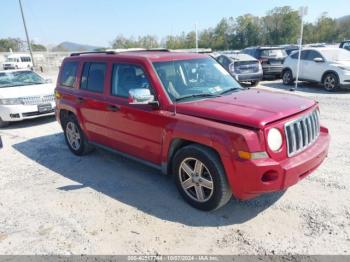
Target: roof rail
x=93 y=52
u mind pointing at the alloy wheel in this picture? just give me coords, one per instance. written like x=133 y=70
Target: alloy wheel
x=73 y=135
x=330 y=82
x=196 y=180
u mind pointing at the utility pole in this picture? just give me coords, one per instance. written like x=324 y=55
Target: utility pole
x=196 y=30
x=26 y=31
x=302 y=13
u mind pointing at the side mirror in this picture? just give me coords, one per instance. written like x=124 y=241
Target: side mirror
x=140 y=96
x=318 y=60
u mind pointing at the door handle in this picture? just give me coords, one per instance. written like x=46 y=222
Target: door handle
x=113 y=108
x=80 y=100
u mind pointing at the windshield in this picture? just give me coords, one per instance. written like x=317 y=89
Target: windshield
x=336 y=55
x=194 y=78
x=273 y=52
x=11 y=59
x=20 y=78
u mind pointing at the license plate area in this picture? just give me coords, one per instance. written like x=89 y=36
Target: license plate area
x=44 y=108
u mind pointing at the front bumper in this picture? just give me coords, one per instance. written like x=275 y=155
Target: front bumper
x=11 y=113
x=247 y=177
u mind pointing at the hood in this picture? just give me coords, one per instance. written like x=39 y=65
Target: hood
x=251 y=108
x=345 y=63
x=30 y=90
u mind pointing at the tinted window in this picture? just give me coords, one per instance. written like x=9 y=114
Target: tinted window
x=312 y=55
x=126 y=77
x=304 y=55
x=346 y=45
x=68 y=74
x=273 y=52
x=93 y=77
x=295 y=55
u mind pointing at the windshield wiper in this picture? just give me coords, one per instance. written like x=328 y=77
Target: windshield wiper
x=195 y=95
x=230 y=90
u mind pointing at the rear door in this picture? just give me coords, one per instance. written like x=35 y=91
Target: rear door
x=91 y=100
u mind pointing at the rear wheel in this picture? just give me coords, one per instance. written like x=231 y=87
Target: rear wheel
x=75 y=137
x=254 y=83
x=200 y=178
x=287 y=77
x=331 y=82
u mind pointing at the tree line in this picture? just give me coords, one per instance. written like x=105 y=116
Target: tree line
x=280 y=25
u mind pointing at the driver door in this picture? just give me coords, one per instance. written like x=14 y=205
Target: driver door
x=133 y=128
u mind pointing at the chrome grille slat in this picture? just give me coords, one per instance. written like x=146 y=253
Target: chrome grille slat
x=302 y=132
x=36 y=100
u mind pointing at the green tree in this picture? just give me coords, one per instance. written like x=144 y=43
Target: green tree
x=38 y=47
x=15 y=44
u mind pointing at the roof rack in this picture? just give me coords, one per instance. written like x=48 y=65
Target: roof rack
x=93 y=52
x=117 y=51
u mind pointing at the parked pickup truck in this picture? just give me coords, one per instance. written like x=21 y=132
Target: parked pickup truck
x=187 y=116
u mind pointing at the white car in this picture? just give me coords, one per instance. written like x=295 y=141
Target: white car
x=18 y=61
x=329 y=66
x=23 y=95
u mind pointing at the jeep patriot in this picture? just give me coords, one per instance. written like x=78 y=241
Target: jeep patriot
x=187 y=116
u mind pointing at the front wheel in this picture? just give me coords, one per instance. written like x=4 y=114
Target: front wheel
x=75 y=138
x=331 y=82
x=200 y=178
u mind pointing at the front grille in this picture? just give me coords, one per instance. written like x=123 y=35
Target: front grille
x=37 y=100
x=302 y=132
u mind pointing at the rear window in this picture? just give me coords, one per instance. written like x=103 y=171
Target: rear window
x=93 y=77
x=68 y=74
x=273 y=52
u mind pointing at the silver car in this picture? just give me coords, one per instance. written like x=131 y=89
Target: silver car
x=243 y=67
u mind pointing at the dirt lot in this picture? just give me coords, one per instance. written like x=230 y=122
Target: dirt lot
x=54 y=202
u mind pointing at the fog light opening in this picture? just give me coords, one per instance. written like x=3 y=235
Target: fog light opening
x=269 y=176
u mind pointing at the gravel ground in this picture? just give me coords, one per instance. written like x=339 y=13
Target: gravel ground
x=52 y=202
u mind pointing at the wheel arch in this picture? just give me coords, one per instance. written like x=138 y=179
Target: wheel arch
x=328 y=72
x=175 y=145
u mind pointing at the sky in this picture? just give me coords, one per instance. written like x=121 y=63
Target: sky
x=98 y=22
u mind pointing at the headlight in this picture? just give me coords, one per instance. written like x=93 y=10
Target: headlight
x=274 y=139
x=10 y=101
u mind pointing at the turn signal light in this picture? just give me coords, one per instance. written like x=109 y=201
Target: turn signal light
x=252 y=156
x=58 y=95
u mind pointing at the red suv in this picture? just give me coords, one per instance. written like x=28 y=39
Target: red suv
x=187 y=116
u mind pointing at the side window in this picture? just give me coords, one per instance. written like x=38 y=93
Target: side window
x=126 y=77
x=93 y=77
x=68 y=74
x=304 y=55
x=346 y=45
x=312 y=55
x=295 y=55
x=23 y=59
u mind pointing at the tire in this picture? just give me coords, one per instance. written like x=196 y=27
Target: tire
x=3 y=123
x=75 y=137
x=330 y=82
x=287 y=77
x=211 y=175
x=254 y=83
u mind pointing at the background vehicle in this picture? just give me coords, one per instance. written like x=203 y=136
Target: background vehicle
x=290 y=48
x=187 y=116
x=345 y=45
x=18 y=61
x=244 y=68
x=329 y=66
x=23 y=95
x=271 y=58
